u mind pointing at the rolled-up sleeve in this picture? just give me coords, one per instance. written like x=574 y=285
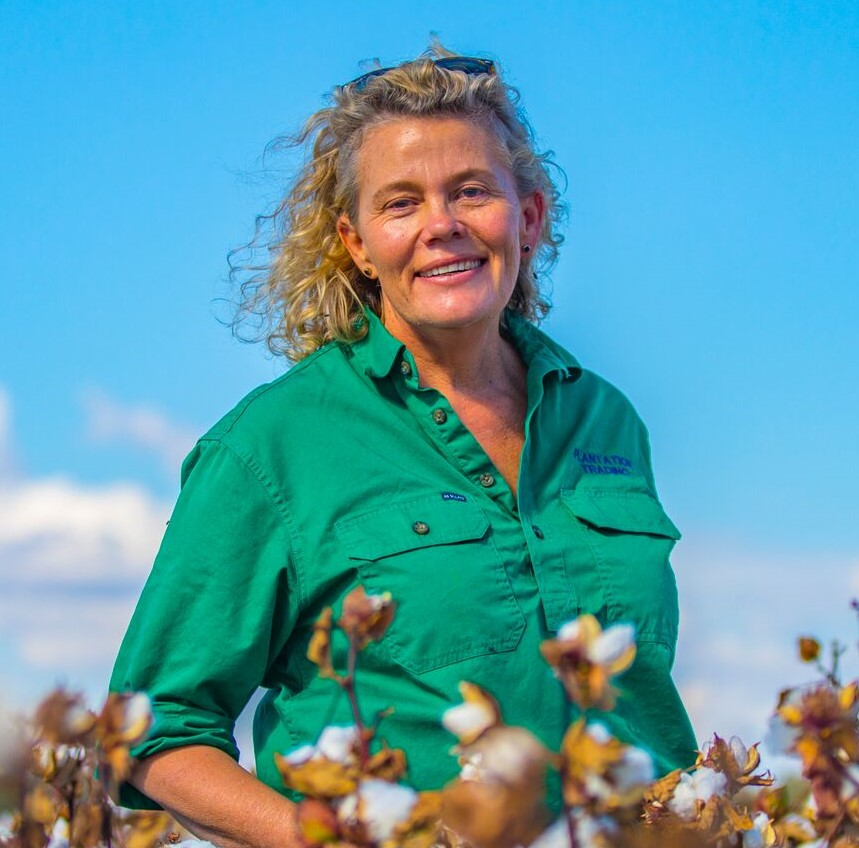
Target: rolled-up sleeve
x=215 y=611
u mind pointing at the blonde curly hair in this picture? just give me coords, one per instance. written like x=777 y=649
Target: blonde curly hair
x=308 y=291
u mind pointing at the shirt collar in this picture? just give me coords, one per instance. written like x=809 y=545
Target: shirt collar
x=538 y=351
x=378 y=351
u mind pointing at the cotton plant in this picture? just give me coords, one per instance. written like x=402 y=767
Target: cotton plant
x=352 y=786
x=355 y=793
x=817 y=724
x=610 y=797
x=77 y=758
x=498 y=800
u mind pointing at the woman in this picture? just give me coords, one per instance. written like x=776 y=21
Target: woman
x=430 y=442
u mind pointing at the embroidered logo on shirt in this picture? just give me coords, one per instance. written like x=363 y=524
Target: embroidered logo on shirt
x=452 y=496
x=603 y=463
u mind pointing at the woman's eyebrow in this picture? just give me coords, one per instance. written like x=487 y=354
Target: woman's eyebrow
x=389 y=188
x=472 y=174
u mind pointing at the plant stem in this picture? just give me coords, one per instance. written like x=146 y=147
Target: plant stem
x=571 y=827
x=834 y=828
x=347 y=683
x=106 y=780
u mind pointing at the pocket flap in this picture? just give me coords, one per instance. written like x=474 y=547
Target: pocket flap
x=410 y=525
x=628 y=511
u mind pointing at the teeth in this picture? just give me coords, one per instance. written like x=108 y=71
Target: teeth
x=465 y=265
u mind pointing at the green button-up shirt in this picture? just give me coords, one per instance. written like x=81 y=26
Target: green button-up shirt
x=346 y=471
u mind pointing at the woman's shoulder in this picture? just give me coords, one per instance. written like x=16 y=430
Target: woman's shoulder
x=582 y=381
x=287 y=400
x=605 y=391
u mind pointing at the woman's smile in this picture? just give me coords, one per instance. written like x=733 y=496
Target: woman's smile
x=450 y=270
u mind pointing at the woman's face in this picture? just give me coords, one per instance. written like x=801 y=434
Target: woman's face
x=439 y=223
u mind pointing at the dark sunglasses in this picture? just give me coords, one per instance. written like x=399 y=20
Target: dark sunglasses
x=466 y=64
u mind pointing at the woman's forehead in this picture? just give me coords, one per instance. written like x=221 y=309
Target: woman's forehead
x=409 y=144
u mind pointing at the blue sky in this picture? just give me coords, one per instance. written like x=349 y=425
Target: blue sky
x=711 y=266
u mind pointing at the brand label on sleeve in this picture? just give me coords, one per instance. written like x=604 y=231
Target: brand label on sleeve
x=603 y=463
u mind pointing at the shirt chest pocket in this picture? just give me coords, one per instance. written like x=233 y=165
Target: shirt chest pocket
x=630 y=538
x=438 y=560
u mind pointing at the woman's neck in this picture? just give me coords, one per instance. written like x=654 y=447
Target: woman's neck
x=467 y=361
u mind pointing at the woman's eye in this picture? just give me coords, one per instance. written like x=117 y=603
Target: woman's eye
x=472 y=192
x=399 y=204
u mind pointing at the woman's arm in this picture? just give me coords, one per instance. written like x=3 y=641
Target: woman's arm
x=216 y=799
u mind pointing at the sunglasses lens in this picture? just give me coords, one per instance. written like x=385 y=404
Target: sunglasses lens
x=466 y=64
x=359 y=82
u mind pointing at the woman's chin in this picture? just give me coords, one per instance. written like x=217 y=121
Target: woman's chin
x=455 y=320
x=456 y=313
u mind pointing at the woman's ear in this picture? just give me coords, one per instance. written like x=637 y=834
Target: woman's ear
x=353 y=242
x=533 y=213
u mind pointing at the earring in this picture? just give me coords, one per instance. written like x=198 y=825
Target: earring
x=526 y=248
x=368 y=272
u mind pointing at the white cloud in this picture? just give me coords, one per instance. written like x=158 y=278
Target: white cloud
x=140 y=425
x=56 y=529
x=73 y=558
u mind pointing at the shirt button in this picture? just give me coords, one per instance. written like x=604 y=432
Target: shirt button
x=405 y=369
x=487 y=480
x=439 y=416
x=421 y=528
x=537 y=531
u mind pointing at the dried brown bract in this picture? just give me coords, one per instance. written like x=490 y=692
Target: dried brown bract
x=365 y=618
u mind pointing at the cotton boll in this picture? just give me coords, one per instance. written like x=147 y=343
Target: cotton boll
x=635 y=769
x=336 y=743
x=739 y=751
x=570 y=631
x=555 y=836
x=347 y=807
x=59 y=834
x=510 y=754
x=193 y=843
x=472 y=768
x=701 y=785
x=300 y=755
x=753 y=838
x=684 y=801
x=138 y=708
x=469 y=719
x=761 y=835
x=611 y=644
x=633 y=772
x=383 y=806
x=599 y=732
x=591 y=831
x=709 y=783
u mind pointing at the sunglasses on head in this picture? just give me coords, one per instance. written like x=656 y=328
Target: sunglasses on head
x=466 y=64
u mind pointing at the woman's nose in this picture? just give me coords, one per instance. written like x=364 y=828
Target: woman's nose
x=441 y=221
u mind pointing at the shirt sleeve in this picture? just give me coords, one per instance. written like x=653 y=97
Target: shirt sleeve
x=215 y=611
